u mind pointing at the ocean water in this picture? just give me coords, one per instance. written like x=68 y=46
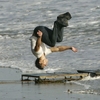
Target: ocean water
x=18 y=18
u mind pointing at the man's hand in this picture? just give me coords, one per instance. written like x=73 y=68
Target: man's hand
x=74 y=49
x=39 y=33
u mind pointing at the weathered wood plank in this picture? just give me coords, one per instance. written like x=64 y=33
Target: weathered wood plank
x=63 y=75
x=55 y=77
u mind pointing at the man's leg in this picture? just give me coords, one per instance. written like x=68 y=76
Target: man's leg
x=58 y=30
x=49 y=37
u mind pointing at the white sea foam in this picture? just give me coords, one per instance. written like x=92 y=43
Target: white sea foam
x=93 y=22
x=86 y=92
x=51 y=70
x=90 y=78
x=81 y=84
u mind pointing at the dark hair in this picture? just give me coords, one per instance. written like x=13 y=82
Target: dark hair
x=37 y=64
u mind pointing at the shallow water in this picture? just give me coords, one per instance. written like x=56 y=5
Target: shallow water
x=18 y=18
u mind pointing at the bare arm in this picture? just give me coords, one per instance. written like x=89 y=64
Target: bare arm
x=63 y=48
x=38 y=42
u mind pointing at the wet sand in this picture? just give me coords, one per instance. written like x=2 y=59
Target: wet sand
x=11 y=88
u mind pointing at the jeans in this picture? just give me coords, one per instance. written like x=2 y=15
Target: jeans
x=50 y=37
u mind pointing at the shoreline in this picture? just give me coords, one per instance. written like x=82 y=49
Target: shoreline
x=11 y=88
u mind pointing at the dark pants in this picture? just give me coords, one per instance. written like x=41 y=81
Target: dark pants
x=50 y=37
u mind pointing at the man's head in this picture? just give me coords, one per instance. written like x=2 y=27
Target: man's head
x=41 y=63
x=63 y=19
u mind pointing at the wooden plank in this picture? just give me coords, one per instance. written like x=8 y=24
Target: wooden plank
x=55 y=77
x=63 y=75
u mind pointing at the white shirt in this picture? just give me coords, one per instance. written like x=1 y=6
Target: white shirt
x=43 y=49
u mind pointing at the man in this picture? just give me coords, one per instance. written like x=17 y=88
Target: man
x=40 y=50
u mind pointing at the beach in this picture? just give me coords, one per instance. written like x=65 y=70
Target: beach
x=11 y=88
x=18 y=18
